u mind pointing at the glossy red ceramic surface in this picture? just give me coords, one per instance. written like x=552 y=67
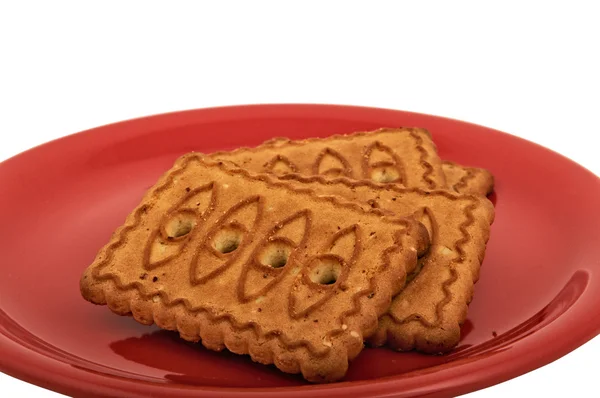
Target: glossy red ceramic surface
x=538 y=297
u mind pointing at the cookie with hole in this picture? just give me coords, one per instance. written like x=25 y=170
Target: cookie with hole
x=428 y=313
x=469 y=180
x=256 y=265
x=382 y=169
x=403 y=156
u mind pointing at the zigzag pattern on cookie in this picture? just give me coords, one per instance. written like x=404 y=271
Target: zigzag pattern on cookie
x=404 y=156
x=255 y=265
x=468 y=180
x=428 y=313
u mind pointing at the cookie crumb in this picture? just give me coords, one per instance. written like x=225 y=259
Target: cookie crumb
x=373 y=203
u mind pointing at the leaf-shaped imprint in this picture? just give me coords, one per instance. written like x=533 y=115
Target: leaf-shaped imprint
x=225 y=241
x=331 y=163
x=426 y=217
x=269 y=262
x=177 y=226
x=325 y=273
x=381 y=164
x=280 y=165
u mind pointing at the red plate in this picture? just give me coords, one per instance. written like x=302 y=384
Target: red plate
x=537 y=298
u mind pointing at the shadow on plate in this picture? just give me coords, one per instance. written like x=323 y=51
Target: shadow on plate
x=190 y=363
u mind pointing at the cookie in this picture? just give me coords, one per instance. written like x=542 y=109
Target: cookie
x=471 y=180
x=404 y=156
x=257 y=266
x=427 y=314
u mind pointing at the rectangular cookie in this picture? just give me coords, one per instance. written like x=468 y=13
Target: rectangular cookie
x=469 y=180
x=257 y=266
x=405 y=156
x=428 y=313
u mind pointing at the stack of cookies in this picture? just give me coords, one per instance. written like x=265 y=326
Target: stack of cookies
x=298 y=253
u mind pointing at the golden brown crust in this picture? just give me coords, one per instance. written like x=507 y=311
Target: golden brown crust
x=428 y=313
x=468 y=180
x=161 y=266
x=404 y=156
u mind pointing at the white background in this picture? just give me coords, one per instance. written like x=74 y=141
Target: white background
x=527 y=69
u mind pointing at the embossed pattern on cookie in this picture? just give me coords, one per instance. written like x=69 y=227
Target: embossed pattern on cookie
x=428 y=313
x=469 y=180
x=403 y=156
x=257 y=266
